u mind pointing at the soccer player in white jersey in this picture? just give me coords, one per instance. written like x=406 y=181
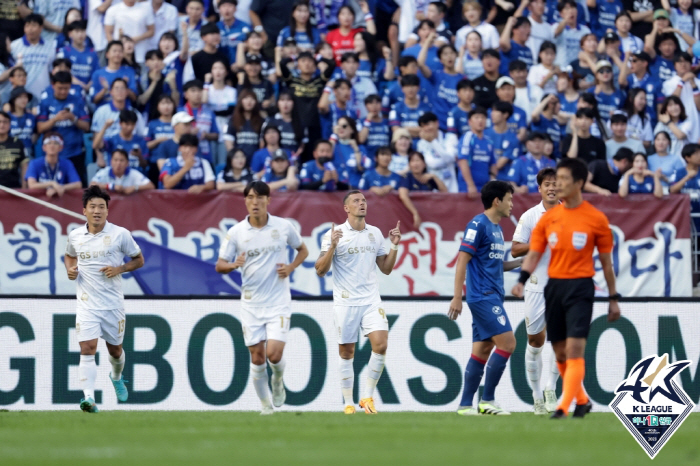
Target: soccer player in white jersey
x=258 y=245
x=355 y=250
x=95 y=260
x=534 y=297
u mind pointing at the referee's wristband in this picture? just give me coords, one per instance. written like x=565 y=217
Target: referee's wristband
x=524 y=276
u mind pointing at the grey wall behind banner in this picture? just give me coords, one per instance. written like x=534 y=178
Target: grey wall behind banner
x=189 y=354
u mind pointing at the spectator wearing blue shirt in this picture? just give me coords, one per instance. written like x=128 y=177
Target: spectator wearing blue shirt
x=103 y=78
x=55 y=175
x=156 y=84
x=393 y=92
x=379 y=70
x=444 y=81
x=426 y=28
x=523 y=172
x=235 y=175
x=262 y=157
x=603 y=14
x=662 y=158
x=348 y=156
x=406 y=114
x=233 y=30
x=22 y=122
x=666 y=44
x=330 y=112
x=513 y=43
x=505 y=92
x=544 y=120
x=304 y=34
x=281 y=175
x=419 y=179
x=687 y=180
x=110 y=111
x=126 y=139
x=476 y=158
x=375 y=131
x=637 y=75
x=187 y=171
x=83 y=58
x=640 y=180
x=361 y=87
x=204 y=118
x=506 y=146
x=321 y=174
x=160 y=129
x=67 y=115
x=182 y=124
x=458 y=116
x=609 y=99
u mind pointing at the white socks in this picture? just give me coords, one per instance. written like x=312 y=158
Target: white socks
x=277 y=370
x=553 y=371
x=533 y=365
x=347 y=377
x=117 y=366
x=259 y=374
x=375 y=366
x=87 y=372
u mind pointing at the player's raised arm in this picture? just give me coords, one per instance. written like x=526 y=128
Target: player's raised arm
x=386 y=262
x=330 y=242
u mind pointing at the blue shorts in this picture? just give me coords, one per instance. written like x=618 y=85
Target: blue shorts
x=489 y=318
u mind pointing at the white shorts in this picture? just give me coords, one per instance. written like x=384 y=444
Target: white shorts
x=534 y=312
x=108 y=325
x=349 y=319
x=261 y=324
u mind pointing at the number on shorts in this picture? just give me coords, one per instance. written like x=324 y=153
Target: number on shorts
x=282 y=321
x=121 y=325
x=382 y=313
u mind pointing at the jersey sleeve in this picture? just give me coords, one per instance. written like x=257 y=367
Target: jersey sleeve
x=70 y=249
x=208 y=172
x=382 y=247
x=228 y=247
x=524 y=229
x=538 y=239
x=129 y=246
x=604 y=236
x=326 y=241
x=471 y=239
x=293 y=236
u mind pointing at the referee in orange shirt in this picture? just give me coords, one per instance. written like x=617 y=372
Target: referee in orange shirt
x=572 y=230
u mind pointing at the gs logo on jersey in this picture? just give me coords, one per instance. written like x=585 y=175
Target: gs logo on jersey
x=497 y=310
x=579 y=240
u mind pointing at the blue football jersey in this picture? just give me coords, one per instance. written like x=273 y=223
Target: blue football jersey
x=483 y=240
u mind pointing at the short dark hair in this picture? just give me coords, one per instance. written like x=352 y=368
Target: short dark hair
x=128 y=116
x=441 y=7
x=170 y=36
x=548 y=172
x=689 y=149
x=464 y=84
x=585 y=112
x=120 y=151
x=260 y=187
x=232 y=2
x=427 y=117
x=193 y=83
x=62 y=61
x=503 y=107
x=410 y=80
x=34 y=18
x=577 y=167
x=154 y=53
x=491 y=53
x=189 y=140
x=564 y=3
x=624 y=153
x=406 y=60
x=322 y=141
x=61 y=77
x=76 y=26
x=424 y=22
x=93 y=192
x=384 y=150
x=371 y=98
x=445 y=47
x=349 y=55
x=517 y=65
x=495 y=189
x=118 y=80
x=201 y=2
x=112 y=43
x=520 y=21
x=5 y=115
x=476 y=111
x=350 y=193
x=209 y=28
x=340 y=81
x=618 y=118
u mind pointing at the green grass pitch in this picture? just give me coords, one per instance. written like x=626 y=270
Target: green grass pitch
x=329 y=439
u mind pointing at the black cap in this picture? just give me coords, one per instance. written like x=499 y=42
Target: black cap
x=195 y=83
x=253 y=60
x=18 y=91
x=280 y=154
x=611 y=37
x=290 y=41
x=642 y=56
x=306 y=54
x=536 y=135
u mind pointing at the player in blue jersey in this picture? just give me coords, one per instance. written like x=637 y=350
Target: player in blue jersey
x=458 y=116
x=506 y=146
x=83 y=58
x=481 y=255
x=475 y=156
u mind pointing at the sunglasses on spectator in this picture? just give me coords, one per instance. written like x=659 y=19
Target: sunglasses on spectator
x=605 y=70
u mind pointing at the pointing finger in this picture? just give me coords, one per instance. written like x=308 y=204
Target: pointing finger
x=398 y=224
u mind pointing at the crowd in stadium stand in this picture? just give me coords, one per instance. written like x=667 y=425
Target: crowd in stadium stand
x=380 y=95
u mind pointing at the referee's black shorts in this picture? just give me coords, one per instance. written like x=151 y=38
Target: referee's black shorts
x=568 y=307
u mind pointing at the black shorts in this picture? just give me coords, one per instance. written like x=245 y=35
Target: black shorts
x=568 y=308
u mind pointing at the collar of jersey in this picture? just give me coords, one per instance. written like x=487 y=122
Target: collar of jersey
x=126 y=173
x=104 y=230
x=251 y=227
x=347 y=223
x=27 y=44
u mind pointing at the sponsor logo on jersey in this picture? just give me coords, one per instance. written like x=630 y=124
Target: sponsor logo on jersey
x=496 y=310
x=275 y=234
x=345 y=294
x=107 y=240
x=470 y=235
x=650 y=404
x=371 y=237
x=502 y=320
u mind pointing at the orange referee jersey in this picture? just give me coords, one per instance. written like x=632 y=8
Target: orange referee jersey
x=572 y=234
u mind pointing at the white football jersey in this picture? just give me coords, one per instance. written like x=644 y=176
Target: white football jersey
x=105 y=249
x=522 y=234
x=355 y=264
x=264 y=248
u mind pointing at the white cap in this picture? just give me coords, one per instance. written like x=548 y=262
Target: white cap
x=504 y=80
x=181 y=117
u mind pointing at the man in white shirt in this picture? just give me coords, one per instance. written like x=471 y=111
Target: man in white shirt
x=95 y=22
x=355 y=250
x=134 y=20
x=95 y=260
x=165 y=16
x=540 y=29
x=534 y=296
x=258 y=246
x=118 y=177
x=686 y=86
x=440 y=152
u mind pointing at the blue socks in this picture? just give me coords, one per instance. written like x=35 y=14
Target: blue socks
x=495 y=367
x=472 y=379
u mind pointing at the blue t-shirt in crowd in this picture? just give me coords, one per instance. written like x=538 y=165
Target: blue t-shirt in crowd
x=373 y=178
x=311 y=173
x=551 y=128
x=72 y=136
x=84 y=64
x=23 y=128
x=346 y=164
x=379 y=135
x=692 y=185
x=405 y=116
x=662 y=68
x=158 y=129
x=483 y=240
x=232 y=36
x=603 y=16
x=516 y=52
x=445 y=94
x=645 y=187
x=432 y=61
x=136 y=142
x=301 y=37
x=653 y=88
x=525 y=169
x=507 y=145
x=457 y=121
x=63 y=172
x=608 y=103
x=330 y=119
x=479 y=154
x=125 y=72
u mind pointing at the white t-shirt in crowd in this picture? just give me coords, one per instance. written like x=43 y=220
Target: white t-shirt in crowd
x=133 y=21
